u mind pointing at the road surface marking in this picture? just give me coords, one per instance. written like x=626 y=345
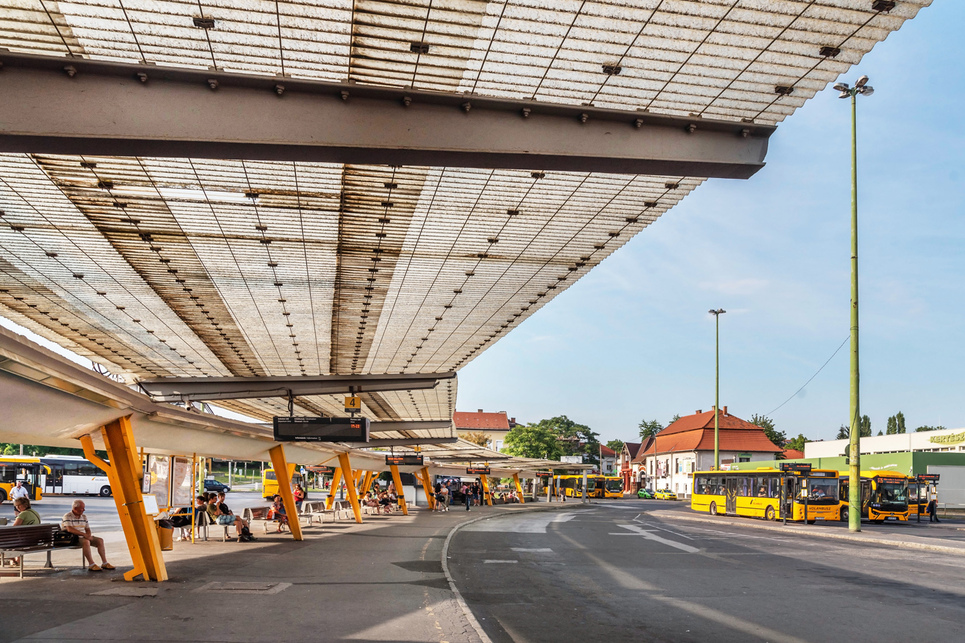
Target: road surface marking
x=649 y=535
x=519 y=524
x=539 y=550
x=500 y=562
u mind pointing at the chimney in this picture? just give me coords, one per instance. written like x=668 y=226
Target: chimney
x=480 y=410
x=725 y=409
x=512 y=420
x=699 y=411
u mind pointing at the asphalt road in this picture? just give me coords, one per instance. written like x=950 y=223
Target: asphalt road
x=614 y=573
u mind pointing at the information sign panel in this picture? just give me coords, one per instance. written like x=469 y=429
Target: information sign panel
x=313 y=429
x=477 y=471
x=353 y=404
x=796 y=467
x=928 y=477
x=413 y=459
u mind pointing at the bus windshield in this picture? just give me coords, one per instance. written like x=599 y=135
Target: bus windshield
x=891 y=494
x=614 y=485
x=823 y=489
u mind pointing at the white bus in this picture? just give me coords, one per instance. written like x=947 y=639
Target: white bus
x=71 y=474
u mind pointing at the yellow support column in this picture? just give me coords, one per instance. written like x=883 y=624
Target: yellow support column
x=486 y=494
x=366 y=484
x=398 y=488
x=353 y=497
x=283 y=472
x=424 y=477
x=124 y=475
x=519 y=488
x=336 y=480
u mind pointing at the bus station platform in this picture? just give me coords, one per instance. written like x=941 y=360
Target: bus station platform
x=382 y=580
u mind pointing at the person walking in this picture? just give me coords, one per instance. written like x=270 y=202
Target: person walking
x=467 y=495
x=19 y=491
x=933 y=511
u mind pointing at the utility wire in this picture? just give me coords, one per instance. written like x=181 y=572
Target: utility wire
x=813 y=376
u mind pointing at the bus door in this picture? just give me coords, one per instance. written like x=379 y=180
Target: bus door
x=790 y=492
x=54 y=480
x=731 y=498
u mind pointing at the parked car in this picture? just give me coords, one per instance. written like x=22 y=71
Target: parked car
x=645 y=494
x=665 y=494
x=214 y=485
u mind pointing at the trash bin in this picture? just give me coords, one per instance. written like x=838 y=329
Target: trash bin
x=166 y=537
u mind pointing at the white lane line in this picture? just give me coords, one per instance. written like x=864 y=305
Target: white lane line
x=538 y=550
x=649 y=535
x=500 y=562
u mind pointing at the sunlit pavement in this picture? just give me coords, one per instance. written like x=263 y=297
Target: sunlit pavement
x=618 y=572
x=379 y=581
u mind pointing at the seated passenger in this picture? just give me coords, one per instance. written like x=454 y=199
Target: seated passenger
x=385 y=500
x=75 y=521
x=277 y=512
x=225 y=517
x=299 y=493
x=25 y=516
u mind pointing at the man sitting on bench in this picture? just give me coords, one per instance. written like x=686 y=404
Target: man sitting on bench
x=222 y=515
x=76 y=523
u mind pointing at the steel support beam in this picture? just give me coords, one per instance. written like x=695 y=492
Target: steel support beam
x=333 y=488
x=519 y=489
x=423 y=476
x=397 y=480
x=353 y=498
x=283 y=472
x=486 y=493
x=400 y=442
x=176 y=389
x=124 y=474
x=73 y=106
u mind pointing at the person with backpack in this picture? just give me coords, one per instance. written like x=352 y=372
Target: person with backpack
x=224 y=516
x=932 y=510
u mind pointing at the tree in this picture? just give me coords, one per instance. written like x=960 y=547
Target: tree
x=532 y=441
x=574 y=439
x=865 y=430
x=929 y=428
x=476 y=437
x=797 y=443
x=616 y=445
x=880 y=433
x=649 y=428
x=844 y=432
x=766 y=423
x=675 y=417
x=896 y=424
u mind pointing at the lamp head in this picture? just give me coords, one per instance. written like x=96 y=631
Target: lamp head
x=867 y=90
x=861 y=82
x=844 y=95
x=841 y=87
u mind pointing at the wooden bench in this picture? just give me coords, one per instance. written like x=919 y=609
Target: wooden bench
x=27 y=539
x=252 y=514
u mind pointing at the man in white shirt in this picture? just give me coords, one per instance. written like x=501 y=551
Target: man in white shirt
x=19 y=491
x=76 y=523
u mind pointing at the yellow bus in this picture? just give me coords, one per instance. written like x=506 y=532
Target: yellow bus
x=884 y=496
x=269 y=483
x=24 y=468
x=608 y=487
x=768 y=493
x=572 y=485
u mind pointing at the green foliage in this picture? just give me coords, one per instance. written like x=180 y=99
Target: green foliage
x=532 y=441
x=616 y=445
x=649 y=427
x=864 y=429
x=766 y=423
x=896 y=424
x=844 y=432
x=35 y=450
x=553 y=438
x=674 y=418
x=929 y=428
x=797 y=443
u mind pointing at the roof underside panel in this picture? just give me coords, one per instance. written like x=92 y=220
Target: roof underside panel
x=185 y=267
x=716 y=58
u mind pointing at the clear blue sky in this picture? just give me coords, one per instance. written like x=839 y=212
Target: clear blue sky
x=633 y=339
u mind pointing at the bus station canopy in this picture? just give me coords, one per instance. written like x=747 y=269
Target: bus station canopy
x=199 y=191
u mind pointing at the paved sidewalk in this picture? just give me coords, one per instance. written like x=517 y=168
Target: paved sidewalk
x=379 y=581
x=947 y=536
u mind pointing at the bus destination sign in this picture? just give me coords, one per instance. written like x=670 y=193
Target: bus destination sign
x=477 y=471
x=413 y=459
x=313 y=429
x=796 y=467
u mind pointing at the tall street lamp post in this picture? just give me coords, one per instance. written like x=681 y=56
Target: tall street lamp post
x=717 y=313
x=861 y=86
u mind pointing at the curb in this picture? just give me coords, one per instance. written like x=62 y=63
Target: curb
x=452 y=584
x=901 y=544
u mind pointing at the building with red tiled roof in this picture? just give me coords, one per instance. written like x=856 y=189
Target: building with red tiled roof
x=793 y=454
x=608 y=460
x=627 y=469
x=494 y=425
x=666 y=460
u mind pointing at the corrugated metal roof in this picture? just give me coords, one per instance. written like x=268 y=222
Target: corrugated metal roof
x=187 y=267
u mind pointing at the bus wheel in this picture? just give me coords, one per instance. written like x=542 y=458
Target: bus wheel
x=713 y=509
x=844 y=514
x=105 y=491
x=769 y=513
x=811 y=522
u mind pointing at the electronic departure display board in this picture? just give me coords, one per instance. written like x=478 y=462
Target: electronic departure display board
x=796 y=467
x=928 y=477
x=413 y=459
x=312 y=429
x=823 y=474
x=477 y=471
